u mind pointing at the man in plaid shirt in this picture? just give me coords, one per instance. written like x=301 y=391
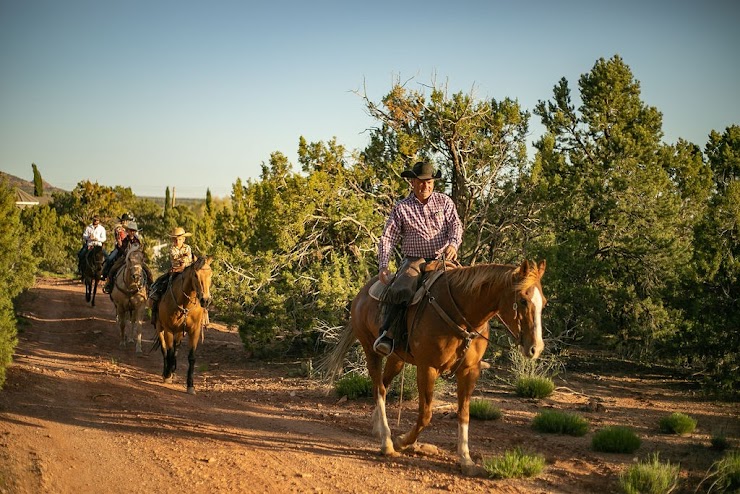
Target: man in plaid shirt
x=428 y=227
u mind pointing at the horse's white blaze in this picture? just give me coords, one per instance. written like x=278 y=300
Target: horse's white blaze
x=537 y=301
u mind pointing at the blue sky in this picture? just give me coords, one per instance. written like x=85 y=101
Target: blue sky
x=194 y=94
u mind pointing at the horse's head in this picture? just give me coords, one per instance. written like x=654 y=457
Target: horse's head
x=201 y=279
x=134 y=265
x=523 y=317
x=96 y=260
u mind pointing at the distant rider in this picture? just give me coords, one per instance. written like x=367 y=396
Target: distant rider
x=94 y=235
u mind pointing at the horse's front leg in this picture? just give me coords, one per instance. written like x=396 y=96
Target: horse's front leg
x=193 y=337
x=167 y=344
x=466 y=379
x=425 y=378
x=94 y=291
x=121 y=319
x=136 y=328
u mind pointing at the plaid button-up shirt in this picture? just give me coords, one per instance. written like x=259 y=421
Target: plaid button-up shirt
x=424 y=230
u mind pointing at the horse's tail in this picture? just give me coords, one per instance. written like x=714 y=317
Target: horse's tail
x=330 y=366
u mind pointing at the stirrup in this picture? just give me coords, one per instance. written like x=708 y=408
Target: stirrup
x=383 y=345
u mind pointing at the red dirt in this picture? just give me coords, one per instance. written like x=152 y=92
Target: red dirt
x=79 y=415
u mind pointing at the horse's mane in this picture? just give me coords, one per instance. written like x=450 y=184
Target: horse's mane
x=470 y=279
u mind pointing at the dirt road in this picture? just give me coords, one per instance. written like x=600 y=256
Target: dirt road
x=80 y=415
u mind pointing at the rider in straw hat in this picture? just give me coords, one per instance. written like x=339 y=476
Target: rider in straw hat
x=181 y=256
x=428 y=227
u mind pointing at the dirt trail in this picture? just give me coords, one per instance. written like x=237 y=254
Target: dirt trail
x=79 y=415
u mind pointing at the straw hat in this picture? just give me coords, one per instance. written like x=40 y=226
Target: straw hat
x=179 y=232
x=131 y=225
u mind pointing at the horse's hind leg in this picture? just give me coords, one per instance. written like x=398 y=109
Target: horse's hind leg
x=380 y=420
x=425 y=377
x=466 y=379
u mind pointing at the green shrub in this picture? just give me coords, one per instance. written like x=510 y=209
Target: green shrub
x=554 y=422
x=484 y=410
x=650 y=477
x=354 y=386
x=720 y=442
x=677 y=423
x=724 y=475
x=410 y=390
x=534 y=387
x=615 y=439
x=514 y=464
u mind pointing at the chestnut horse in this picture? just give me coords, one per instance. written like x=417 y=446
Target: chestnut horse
x=129 y=296
x=448 y=333
x=182 y=310
x=92 y=271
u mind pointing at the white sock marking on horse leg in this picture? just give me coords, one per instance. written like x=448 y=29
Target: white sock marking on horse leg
x=380 y=426
x=463 y=450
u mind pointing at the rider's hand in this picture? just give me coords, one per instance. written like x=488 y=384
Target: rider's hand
x=450 y=253
x=385 y=276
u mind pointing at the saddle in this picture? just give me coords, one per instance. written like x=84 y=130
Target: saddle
x=430 y=273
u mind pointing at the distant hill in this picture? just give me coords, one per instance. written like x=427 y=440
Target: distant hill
x=27 y=186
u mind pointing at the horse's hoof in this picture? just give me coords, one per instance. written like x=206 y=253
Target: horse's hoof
x=473 y=470
x=167 y=380
x=191 y=390
x=389 y=452
x=399 y=445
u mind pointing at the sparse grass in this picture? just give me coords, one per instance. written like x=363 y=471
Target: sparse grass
x=534 y=387
x=615 y=439
x=719 y=441
x=677 y=423
x=353 y=386
x=555 y=422
x=514 y=464
x=546 y=366
x=724 y=475
x=650 y=477
x=484 y=410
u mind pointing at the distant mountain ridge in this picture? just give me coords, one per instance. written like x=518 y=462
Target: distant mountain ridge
x=27 y=186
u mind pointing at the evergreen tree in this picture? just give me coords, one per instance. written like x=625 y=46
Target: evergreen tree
x=17 y=270
x=612 y=209
x=38 y=183
x=710 y=340
x=480 y=145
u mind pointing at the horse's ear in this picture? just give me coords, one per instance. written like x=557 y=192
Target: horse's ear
x=541 y=267
x=523 y=268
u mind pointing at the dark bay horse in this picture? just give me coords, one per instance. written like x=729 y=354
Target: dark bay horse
x=92 y=271
x=182 y=310
x=129 y=295
x=448 y=333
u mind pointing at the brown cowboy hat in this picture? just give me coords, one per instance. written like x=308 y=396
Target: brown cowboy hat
x=422 y=170
x=179 y=232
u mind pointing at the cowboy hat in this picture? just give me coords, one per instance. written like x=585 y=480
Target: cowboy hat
x=131 y=225
x=126 y=217
x=179 y=232
x=423 y=171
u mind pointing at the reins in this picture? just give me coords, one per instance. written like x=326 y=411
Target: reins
x=185 y=309
x=466 y=332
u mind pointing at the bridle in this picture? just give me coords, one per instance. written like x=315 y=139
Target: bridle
x=195 y=280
